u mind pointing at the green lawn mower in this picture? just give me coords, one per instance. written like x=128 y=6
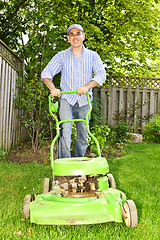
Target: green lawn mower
x=82 y=191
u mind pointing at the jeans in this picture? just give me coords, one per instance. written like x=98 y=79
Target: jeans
x=67 y=112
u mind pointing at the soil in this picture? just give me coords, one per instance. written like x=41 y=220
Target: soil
x=24 y=154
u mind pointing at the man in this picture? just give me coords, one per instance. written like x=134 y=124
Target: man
x=77 y=65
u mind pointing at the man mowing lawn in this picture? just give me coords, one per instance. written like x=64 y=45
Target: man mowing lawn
x=77 y=65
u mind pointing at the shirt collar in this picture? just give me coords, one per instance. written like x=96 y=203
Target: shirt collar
x=83 y=49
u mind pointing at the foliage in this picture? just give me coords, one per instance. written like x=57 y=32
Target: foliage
x=12 y=23
x=32 y=102
x=118 y=134
x=96 y=114
x=118 y=32
x=152 y=130
x=100 y=132
x=124 y=33
x=73 y=138
x=110 y=139
x=3 y=154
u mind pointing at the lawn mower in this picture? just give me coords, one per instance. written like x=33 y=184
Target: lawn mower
x=81 y=191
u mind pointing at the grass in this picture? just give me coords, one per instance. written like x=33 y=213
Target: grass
x=136 y=174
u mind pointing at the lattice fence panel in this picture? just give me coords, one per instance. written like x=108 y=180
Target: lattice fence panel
x=136 y=82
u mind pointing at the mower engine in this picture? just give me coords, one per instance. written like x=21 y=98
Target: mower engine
x=79 y=186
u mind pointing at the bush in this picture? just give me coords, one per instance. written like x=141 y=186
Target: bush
x=118 y=134
x=100 y=132
x=32 y=100
x=109 y=139
x=152 y=130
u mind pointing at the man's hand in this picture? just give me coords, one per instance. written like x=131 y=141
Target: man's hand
x=82 y=90
x=85 y=88
x=55 y=92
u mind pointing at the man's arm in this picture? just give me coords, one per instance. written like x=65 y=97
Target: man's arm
x=86 y=87
x=54 y=91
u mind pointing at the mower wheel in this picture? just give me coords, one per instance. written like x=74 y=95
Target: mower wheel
x=46 y=185
x=26 y=211
x=130 y=214
x=112 y=183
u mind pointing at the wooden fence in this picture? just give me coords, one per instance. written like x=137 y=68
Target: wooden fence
x=130 y=99
x=11 y=131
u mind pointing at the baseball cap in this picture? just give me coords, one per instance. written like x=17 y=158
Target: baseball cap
x=78 y=26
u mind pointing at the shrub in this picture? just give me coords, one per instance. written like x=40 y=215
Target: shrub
x=32 y=101
x=119 y=133
x=97 y=116
x=152 y=130
x=100 y=132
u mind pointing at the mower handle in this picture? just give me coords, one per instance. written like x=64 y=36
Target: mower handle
x=68 y=92
x=72 y=120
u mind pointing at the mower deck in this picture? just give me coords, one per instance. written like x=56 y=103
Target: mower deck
x=55 y=209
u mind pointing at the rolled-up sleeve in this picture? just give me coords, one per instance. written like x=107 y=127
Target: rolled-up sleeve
x=53 y=67
x=99 y=70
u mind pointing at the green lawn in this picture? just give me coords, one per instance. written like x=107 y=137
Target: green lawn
x=136 y=174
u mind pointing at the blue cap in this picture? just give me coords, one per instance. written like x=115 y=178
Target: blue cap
x=78 y=26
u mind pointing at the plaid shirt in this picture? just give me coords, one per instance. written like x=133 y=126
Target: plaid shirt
x=75 y=72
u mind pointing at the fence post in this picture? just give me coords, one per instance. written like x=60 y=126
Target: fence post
x=110 y=121
x=158 y=100
x=137 y=110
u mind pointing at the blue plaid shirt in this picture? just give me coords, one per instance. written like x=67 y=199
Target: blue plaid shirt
x=75 y=72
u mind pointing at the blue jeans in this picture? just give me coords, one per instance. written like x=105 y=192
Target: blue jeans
x=67 y=112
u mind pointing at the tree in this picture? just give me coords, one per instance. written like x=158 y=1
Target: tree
x=124 y=33
x=32 y=96
x=12 y=22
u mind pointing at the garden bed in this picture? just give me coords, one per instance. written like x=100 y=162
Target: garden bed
x=24 y=154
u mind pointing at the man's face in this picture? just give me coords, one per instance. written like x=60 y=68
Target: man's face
x=76 y=37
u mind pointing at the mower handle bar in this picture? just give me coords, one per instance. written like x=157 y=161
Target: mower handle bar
x=70 y=92
x=72 y=120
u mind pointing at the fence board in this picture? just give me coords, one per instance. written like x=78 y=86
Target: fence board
x=5 y=105
x=14 y=113
x=104 y=103
x=114 y=103
x=158 y=103
x=10 y=111
x=129 y=105
x=121 y=100
x=2 y=101
x=144 y=107
x=136 y=110
x=152 y=100
x=7 y=108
